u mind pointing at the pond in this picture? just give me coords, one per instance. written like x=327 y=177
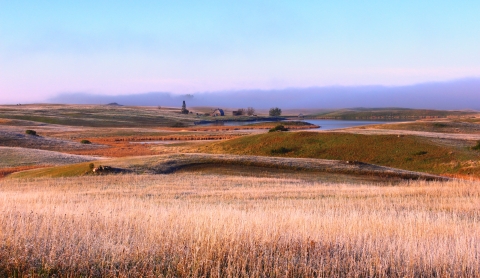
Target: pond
x=229 y=123
x=337 y=124
x=324 y=124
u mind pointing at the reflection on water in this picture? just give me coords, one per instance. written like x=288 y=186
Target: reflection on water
x=336 y=124
x=324 y=124
x=230 y=123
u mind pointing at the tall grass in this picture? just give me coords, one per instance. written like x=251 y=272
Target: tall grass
x=205 y=225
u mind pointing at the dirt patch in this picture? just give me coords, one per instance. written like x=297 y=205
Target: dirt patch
x=262 y=172
x=164 y=164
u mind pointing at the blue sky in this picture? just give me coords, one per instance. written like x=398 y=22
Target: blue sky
x=128 y=47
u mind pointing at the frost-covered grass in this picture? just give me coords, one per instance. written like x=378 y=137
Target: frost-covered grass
x=209 y=225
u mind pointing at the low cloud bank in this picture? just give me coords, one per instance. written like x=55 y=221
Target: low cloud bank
x=458 y=94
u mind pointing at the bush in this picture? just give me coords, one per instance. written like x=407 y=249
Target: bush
x=278 y=128
x=30 y=132
x=477 y=146
x=91 y=166
x=440 y=125
x=178 y=124
x=84 y=141
x=250 y=111
x=275 y=112
x=281 y=150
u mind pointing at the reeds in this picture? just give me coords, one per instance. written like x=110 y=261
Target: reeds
x=205 y=225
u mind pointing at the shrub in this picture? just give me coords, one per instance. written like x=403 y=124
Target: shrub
x=281 y=150
x=177 y=124
x=84 y=141
x=275 y=111
x=477 y=146
x=440 y=125
x=420 y=153
x=91 y=166
x=30 y=132
x=278 y=128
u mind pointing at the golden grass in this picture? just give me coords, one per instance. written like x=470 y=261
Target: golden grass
x=207 y=225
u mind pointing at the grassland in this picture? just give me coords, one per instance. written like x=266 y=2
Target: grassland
x=404 y=152
x=97 y=115
x=194 y=225
x=15 y=157
x=387 y=114
x=101 y=116
x=225 y=202
x=455 y=126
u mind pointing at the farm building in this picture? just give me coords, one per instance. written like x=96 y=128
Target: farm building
x=218 y=112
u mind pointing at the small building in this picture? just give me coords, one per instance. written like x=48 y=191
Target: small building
x=218 y=112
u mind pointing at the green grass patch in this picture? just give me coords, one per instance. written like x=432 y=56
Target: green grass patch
x=281 y=150
x=278 y=128
x=477 y=146
x=73 y=170
x=440 y=125
x=407 y=152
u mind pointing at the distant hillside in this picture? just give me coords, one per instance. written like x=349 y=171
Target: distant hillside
x=387 y=114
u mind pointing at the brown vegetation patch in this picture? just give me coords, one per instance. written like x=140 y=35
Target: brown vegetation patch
x=117 y=149
x=169 y=138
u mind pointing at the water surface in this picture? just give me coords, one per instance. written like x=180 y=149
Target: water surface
x=337 y=124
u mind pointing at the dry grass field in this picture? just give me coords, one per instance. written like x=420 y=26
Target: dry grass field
x=226 y=215
x=199 y=225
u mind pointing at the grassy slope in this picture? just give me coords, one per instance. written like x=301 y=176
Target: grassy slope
x=408 y=152
x=111 y=116
x=441 y=127
x=73 y=170
x=97 y=115
x=387 y=113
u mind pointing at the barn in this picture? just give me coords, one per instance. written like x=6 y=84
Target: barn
x=218 y=112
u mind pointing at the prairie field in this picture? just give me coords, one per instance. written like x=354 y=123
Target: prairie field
x=198 y=225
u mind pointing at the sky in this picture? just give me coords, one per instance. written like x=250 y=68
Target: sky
x=48 y=48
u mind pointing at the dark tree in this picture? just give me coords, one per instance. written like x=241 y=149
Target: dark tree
x=241 y=111
x=274 y=112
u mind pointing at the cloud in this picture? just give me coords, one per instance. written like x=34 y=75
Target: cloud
x=457 y=94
